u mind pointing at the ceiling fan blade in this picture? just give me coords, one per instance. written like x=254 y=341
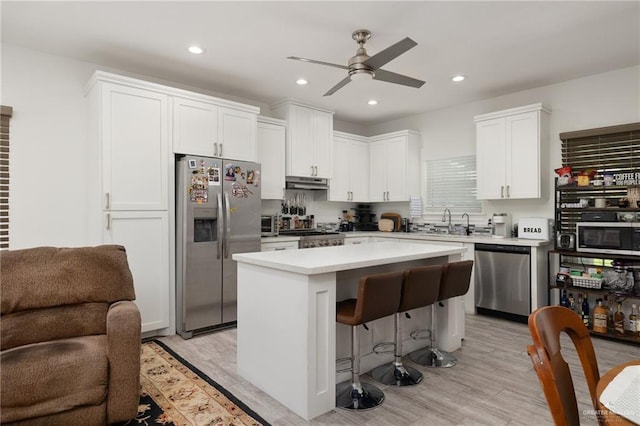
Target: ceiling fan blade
x=335 y=88
x=390 y=53
x=392 y=77
x=329 y=64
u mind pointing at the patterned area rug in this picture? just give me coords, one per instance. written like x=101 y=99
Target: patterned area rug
x=174 y=392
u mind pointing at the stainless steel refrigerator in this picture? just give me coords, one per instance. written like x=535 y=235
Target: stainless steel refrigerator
x=218 y=214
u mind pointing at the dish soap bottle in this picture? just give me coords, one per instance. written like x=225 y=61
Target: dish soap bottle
x=618 y=320
x=600 y=318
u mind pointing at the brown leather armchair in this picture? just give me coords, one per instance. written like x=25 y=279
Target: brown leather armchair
x=70 y=336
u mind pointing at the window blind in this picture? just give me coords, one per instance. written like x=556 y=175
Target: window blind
x=451 y=183
x=5 y=115
x=611 y=150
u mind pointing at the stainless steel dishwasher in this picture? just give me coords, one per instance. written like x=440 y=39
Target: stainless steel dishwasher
x=503 y=280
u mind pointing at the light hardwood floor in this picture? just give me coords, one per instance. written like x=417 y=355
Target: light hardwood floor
x=493 y=383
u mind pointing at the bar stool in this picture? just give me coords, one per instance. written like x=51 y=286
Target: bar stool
x=378 y=296
x=456 y=278
x=420 y=287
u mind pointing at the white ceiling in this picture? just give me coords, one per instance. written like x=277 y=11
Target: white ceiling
x=503 y=47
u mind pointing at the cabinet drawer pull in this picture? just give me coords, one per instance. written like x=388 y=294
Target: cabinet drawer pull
x=357 y=242
x=280 y=248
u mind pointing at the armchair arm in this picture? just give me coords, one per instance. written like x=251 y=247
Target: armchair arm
x=123 y=351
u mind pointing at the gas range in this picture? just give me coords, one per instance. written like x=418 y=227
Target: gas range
x=310 y=238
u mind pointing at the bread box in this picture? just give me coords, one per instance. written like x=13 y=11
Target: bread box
x=534 y=228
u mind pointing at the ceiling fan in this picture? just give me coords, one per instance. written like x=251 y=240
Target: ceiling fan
x=363 y=66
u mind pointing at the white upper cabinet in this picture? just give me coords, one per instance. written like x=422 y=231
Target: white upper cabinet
x=394 y=166
x=195 y=127
x=308 y=139
x=237 y=134
x=271 y=155
x=134 y=141
x=203 y=125
x=350 y=177
x=511 y=147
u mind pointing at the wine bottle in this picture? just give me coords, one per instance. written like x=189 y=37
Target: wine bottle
x=564 y=300
x=610 y=313
x=618 y=320
x=585 y=310
x=634 y=321
x=600 y=318
x=572 y=302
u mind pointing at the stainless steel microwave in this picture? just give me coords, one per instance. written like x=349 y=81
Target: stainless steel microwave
x=269 y=225
x=608 y=237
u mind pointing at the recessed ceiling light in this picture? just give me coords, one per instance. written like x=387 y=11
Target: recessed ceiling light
x=301 y=81
x=196 y=50
x=458 y=78
x=373 y=102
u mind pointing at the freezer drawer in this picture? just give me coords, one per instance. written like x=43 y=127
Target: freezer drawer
x=503 y=279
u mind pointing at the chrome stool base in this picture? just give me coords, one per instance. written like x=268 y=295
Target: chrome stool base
x=397 y=375
x=350 y=398
x=433 y=357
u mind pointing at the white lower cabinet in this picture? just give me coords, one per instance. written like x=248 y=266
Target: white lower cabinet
x=145 y=236
x=277 y=246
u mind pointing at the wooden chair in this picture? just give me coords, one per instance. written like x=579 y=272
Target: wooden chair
x=545 y=326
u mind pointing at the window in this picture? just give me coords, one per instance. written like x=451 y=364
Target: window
x=451 y=183
x=5 y=115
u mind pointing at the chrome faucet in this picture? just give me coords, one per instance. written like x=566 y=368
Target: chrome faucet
x=467 y=230
x=444 y=218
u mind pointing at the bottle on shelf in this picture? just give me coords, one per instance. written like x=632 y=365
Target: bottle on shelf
x=600 y=318
x=585 y=310
x=564 y=300
x=572 y=302
x=579 y=305
x=610 y=313
x=634 y=321
x=618 y=321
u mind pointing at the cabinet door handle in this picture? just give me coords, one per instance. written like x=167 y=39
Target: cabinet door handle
x=215 y=149
x=108 y=203
x=315 y=170
x=311 y=170
x=220 y=154
x=108 y=221
x=502 y=191
x=508 y=195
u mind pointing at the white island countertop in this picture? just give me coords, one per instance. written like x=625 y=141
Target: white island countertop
x=320 y=260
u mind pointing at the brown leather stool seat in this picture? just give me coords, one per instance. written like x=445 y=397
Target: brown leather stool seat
x=378 y=296
x=420 y=287
x=455 y=281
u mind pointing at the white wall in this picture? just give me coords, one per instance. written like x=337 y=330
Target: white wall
x=49 y=132
x=596 y=101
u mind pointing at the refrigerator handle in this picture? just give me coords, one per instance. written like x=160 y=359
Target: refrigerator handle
x=220 y=229
x=227 y=224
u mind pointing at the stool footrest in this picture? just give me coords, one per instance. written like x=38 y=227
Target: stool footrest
x=421 y=334
x=342 y=360
x=385 y=348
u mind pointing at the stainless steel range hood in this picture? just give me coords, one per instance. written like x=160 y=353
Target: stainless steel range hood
x=300 y=182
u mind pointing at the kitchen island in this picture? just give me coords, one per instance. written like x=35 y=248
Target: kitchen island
x=286 y=341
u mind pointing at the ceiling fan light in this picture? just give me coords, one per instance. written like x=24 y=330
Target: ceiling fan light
x=361 y=75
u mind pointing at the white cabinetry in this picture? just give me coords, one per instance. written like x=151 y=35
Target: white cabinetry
x=511 y=148
x=394 y=166
x=195 y=127
x=237 y=133
x=308 y=139
x=130 y=188
x=271 y=156
x=350 y=177
x=203 y=125
x=277 y=246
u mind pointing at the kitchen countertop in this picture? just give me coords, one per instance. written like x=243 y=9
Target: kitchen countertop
x=320 y=260
x=449 y=237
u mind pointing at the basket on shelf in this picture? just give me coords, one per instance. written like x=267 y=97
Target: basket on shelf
x=587 y=282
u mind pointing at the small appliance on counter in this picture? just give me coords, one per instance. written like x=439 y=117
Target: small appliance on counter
x=534 y=228
x=364 y=219
x=501 y=224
